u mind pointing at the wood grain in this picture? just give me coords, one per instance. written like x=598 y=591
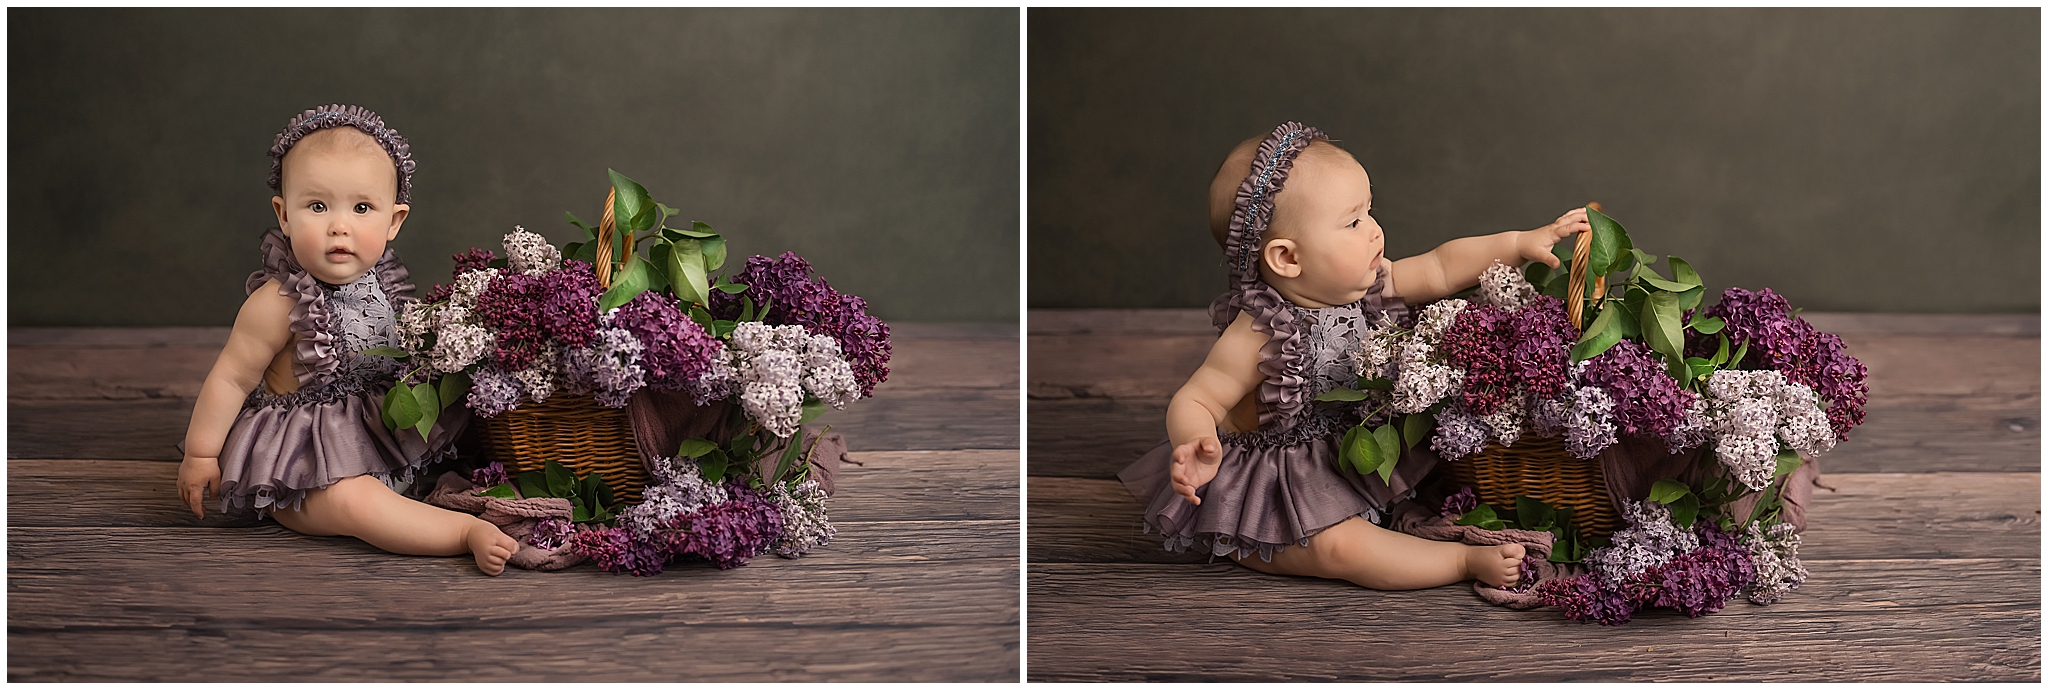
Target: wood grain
x=687 y=651
x=1196 y=321
x=898 y=485
x=1933 y=516
x=1879 y=620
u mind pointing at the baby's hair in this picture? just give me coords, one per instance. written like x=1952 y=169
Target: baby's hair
x=1238 y=164
x=337 y=115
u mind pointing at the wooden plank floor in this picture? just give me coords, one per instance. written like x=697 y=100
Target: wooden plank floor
x=109 y=579
x=1926 y=560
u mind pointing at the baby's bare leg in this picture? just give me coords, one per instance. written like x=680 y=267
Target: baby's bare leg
x=1370 y=556
x=366 y=509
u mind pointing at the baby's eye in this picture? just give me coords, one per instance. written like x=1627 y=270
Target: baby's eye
x=362 y=208
x=319 y=207
x=1354 y=223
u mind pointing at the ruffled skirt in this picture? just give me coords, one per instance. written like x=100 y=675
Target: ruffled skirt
x=1266 y=496
x=283 y=445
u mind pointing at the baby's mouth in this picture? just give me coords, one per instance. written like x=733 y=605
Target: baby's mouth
x=340 y=255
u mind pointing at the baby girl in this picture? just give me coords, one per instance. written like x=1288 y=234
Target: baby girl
x=1308 y=269
x=308 y=446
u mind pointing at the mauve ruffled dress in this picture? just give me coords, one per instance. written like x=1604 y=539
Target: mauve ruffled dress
x=1281 y=483
x=332 y=427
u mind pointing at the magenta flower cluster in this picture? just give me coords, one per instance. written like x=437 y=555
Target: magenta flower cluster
x=1646 y=400
x=616 y=551
x=1505 y=353
x=801 y=299
x=489 y=475
x=1697 y=582
x=677 y=352
x=1789 y=345
x=1460 y=503
x=727 y=533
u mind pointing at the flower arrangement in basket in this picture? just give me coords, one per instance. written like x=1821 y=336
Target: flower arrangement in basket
x=547 y=346
x=1524 y=404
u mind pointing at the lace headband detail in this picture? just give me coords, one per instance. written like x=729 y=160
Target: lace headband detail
x=338 y=115
x=1254 y=203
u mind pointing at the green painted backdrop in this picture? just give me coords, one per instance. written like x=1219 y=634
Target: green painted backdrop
x=880 y=144
x=1854 y=160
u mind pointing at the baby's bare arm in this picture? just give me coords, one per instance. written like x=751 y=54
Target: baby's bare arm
x=1456 y=265
x=1229 y=374
x=262 y=329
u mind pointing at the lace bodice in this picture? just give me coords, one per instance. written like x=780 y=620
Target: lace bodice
x=1333 y=333
x=361 y=314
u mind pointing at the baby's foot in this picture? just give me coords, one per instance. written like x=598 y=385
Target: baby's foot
x=491 y=547
x=1500 y=566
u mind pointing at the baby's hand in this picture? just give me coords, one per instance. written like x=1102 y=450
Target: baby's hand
x=1194 y=464
x=1535 y=244
x=196 y=476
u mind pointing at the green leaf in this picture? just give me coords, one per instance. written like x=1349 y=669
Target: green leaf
x=813 y=408
x=605 y=500
x=499 y=491
x=586 y=251
x=578 y=512
x=1684 y=273
x=695 y=448
x=1642 y=259
x=746 y=309
x=665 y=210
x=1788 y=460
x=790 y=455
x=430 y=409
x=1563 y=251
x=720 y=328
x=1341 y=394
x=570 y=250
x=561 y=482
x=686 y=272
x=589 y=231
x=1721 y=355
x=631 y=208
x=765 y=306
x=532 y=484
x=1666 y=491
x=1662 y=284
x=1603 y=333
x=1539 y=273
x=454 y=386
x=405 y=408
x=731 y=288
x=713 y=470
x=1685 y=510
x=1707 y=326
x=386 y=351
x=714 y=253
x=1691 y=298
x=1533 y=514
x=626 y=286
x=1416 y=428
x=1478 y=516
x=1736 y=360
x=700 y=228
x=1661 y=330
x=1390 y=450
x=1608 y=240
x=1361 y=449
x=390 y=401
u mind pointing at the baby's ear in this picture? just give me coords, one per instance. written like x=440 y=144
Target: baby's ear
x=277 y=207
x=1280 y=258
x=398 y=214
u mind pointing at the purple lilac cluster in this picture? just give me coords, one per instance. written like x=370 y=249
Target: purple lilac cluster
x=1789 y=345
x=473 y=260
x=802 y=299
x=1585 y=599
x=1479 y=341
x=1458 y=433
x=728 y=533
x=609 y=368
x=551 y=533
x=511 y=309
x=489 y=475
x=724 y=523
x=1525 y=580
x=1646 y=401
x=1654 y=564
x=1542 y=348
x=1700 y=581
x=677 y=352
x=1460 y=503
x=617 y=551
x=492 y=392
x=569 y=303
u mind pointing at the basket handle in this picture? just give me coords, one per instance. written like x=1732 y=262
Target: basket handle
x=1575 y=293
x=607 y=232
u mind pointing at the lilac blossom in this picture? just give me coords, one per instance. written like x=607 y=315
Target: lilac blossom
x=1646 y=401
x=677 y=352
x=492 y=392
x=805 y=525
x=1458 y=504
x=528 y=253
x=727 y=533
x=800 y=299
x=610 y=368
x=569 y=303
x=538 y=378
x=1775 y=553
x=1478 y=341
x=1585 y=599
x=1701 y=581
x=617 y=551
x=678 y=489
x=1589 y=422
x=1542 y=346
x=1650 y=540
x=1504 y=287
x=489 y=475
x=551 y=533
x=1458 y=433
x=1781 y=342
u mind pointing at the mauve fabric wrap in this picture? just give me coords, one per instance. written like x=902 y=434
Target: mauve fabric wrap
x=663 y=419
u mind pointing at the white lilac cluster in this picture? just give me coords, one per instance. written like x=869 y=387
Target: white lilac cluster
x=775 y=366
x=1751 y=412
x=804 y=523
x=459 y=340
x=1410 y=360
x=1776 y=554
x=1650 y=540
x=677 y=488
x=610 y=368
x=1506 y=420
x=1503 y=286
x=538 y=378
x=1458 y=433
x=528 y=253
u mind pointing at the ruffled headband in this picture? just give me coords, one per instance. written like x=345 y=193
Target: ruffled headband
x=338 y=115
x=1254 y=208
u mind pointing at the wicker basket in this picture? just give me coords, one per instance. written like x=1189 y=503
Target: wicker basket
x=573 y=430
x=1540 y=467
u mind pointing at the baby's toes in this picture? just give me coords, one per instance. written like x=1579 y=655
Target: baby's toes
x=1513 y=552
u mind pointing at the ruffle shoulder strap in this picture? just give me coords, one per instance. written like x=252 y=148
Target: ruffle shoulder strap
x=314 y=342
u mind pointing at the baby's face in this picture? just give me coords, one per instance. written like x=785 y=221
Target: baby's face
x=338 y=208
x=1326 y=211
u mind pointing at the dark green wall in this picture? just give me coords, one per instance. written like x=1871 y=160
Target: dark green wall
x=1854 y=160
x=882 y=144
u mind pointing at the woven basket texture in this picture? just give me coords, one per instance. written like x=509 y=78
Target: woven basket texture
x=1540 y=468
x=572 y=430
